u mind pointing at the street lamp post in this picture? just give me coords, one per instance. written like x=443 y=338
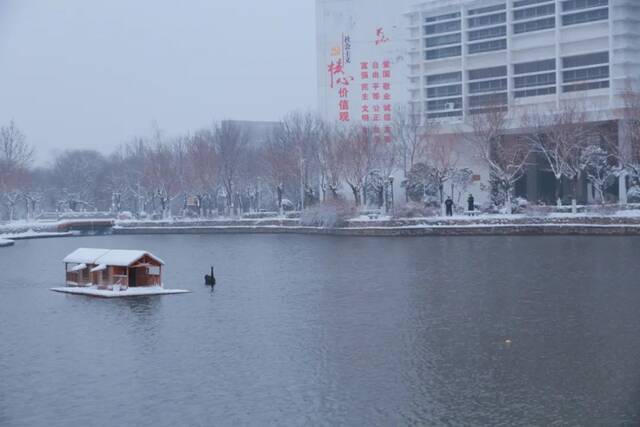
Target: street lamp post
x=390 y=198
x=301 y=184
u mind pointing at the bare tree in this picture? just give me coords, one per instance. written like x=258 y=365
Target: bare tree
x=163 y=172
x=411 y=133
x=441 y=158
x=505 y=157
x=231 y=145
x=281 y=162
x=15 y=158
x=330 y=161
x=359 y=158
x=559 y=137
x=201 y=174
x=626 y=147
x=599 y=167
x=79 y=177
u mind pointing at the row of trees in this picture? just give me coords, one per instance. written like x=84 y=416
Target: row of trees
x=571 y=142
x=304 y=160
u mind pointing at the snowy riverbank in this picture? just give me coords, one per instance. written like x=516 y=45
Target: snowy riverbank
x=6 y=242
x=557 y=224
x=624 y=222
x=22 y=230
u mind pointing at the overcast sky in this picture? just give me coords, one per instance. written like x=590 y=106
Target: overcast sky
x=95 y=73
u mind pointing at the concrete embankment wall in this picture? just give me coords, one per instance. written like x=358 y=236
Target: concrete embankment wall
x=415 y=231
x=516 y=226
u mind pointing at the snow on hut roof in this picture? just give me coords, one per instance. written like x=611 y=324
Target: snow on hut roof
x=116 y=257
x=78 y=267
x=124 y=258
x=85 y=255
x=99 y=268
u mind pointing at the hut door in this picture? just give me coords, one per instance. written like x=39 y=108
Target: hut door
x=132 y=277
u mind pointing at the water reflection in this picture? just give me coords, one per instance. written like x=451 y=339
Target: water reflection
x=336 y=331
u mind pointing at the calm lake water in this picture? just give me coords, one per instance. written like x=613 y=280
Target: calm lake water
x=309 y=330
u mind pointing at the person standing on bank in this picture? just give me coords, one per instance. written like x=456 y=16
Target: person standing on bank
x=449 y=205
x=471 y=203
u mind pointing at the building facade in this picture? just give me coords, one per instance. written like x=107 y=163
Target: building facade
x=524 y=51
x=461 y=56
x=466 y=55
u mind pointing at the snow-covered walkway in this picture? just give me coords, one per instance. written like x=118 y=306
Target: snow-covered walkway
x=6 y=242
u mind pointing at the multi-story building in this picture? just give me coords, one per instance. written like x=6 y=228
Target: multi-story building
x=466 y=55
x=460 y=56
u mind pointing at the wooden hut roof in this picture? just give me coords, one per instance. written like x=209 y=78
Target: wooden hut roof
x=85 y=255
x=114 y=257
x=124 y=258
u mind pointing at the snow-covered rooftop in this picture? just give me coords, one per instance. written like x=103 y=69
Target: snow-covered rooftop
x=85 y=255
x=116 y=257
x=124 y=258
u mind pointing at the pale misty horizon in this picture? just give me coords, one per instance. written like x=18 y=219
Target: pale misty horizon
x=88 y=74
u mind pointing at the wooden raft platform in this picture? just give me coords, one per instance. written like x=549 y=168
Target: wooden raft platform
x=131 y=292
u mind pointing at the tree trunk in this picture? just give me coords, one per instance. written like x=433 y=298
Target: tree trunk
x=600 y=191
x=574 y=190
x=558 y=191
x=356 y=194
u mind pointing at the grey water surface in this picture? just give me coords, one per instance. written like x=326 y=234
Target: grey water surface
x=310 y=330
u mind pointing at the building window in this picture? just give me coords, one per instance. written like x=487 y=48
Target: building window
x=443 y=115
x=535 y=92
x=534 y=66
x=441 y=79
x=539 y=25
x=534 y=12
x=445 y=27
x=446 y=17
x=488 y=33
x=487 y=9
x=445 y=52
x=490 y=100
x=535 y=80
x=582 y=74
x=585 y=60
x=488 y=86
x=571 y=5
x=443 y=40
x=582 y=17
x=488 y=73
x=445 y=104
x=444 y=91
x=524 y=3
x=586 y=86
x=489 y=46
x=483 y=21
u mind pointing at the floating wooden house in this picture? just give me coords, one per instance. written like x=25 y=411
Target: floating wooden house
x=109 y=268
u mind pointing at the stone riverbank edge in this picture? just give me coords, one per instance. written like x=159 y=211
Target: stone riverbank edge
x=407 y=228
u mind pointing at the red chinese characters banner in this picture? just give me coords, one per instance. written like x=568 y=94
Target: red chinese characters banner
x=376 y=95
x=340 y=80
x=364 y=89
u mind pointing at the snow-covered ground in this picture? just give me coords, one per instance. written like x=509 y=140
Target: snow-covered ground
x=130 y=292
x=610 y=216
x=6 y=242
x=36 y=235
